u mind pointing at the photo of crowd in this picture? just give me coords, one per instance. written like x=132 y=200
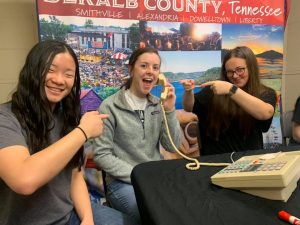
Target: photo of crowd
x=108 y=71
x=180 y=36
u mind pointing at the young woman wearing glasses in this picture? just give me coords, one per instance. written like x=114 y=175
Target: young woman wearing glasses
x=235 y=110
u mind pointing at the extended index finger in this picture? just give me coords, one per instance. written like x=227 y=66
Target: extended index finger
x=209 y=83
x=104 y=116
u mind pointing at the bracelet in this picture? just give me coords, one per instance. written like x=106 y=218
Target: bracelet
x=86 y=138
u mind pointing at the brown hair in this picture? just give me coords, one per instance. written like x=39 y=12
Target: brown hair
x=223 y=110
x=132 y=60
x=30 y=103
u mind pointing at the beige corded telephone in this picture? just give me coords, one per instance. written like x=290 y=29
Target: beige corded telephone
x=273 y=175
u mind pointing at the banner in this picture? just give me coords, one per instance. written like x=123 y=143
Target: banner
x=191 y=36
x=189 y=11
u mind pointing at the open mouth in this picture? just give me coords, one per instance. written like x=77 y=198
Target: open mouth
x=147 y=83
x=148 y=80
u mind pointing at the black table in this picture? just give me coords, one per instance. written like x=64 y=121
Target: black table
x=169 y=194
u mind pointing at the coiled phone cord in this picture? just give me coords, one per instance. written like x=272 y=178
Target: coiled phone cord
x=195 y=164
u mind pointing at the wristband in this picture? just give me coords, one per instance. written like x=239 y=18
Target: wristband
x=232 y=90
x=86 y=138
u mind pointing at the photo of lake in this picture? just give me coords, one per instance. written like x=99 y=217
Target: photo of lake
x=179 y=90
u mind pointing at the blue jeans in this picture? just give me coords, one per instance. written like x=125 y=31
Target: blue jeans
x=103 y=215
x=121 y=196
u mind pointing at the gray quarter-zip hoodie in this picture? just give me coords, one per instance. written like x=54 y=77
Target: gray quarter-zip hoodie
x=125 y=142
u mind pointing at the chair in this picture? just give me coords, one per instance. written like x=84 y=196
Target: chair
x=286 y=126
x=90 y=164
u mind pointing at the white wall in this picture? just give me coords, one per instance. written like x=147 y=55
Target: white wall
x=18 y=33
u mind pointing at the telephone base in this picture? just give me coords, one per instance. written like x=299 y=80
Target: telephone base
x=273 y=193
x=247 y=172
x=282 y=194
x=272 y=176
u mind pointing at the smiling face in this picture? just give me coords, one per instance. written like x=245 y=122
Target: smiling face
x=60 y=78
x=237 y=71
x=144 y=74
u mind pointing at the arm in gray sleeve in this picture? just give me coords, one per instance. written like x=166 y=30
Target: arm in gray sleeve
x=175 y=132
x=103 y=150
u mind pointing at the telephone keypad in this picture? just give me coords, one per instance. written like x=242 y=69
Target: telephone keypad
x=250 y=166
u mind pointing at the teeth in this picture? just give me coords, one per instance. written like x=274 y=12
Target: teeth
x=55 y=89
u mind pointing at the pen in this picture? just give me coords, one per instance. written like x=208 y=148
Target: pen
x=289 y=218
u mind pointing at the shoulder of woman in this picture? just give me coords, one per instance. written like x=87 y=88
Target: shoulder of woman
x=5 y=110
x=269 y=95
x=265 y=90
x=112 y=98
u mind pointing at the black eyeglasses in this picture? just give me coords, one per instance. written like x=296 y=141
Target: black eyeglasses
x=240 y=71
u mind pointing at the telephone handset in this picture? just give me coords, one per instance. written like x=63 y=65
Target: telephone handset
x=162 y=81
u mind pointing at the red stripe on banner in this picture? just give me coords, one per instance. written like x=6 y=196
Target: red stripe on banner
x=208 y=11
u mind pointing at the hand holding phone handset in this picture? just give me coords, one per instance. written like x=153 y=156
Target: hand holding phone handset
x=195 y=164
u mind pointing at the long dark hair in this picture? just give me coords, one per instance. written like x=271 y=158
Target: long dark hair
x=132 y=60
x=30 y=103
x=223 y=110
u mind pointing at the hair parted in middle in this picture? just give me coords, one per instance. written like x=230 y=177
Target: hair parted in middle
x=132 y=60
